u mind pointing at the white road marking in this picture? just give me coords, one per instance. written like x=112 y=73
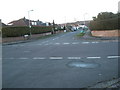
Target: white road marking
x=75 y=43
x=93 y=57
x=113 y=56
x=95 y=42
x=57 y=43
x=66 y=43
x=100 y=74
x=23 y=58
x=55 y=57
x=39 y=58
x=85 y=42
x=74 y=57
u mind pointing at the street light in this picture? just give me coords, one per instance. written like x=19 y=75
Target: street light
x=29 y=22
x=84 y=19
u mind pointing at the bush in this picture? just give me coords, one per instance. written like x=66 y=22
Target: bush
x=20 y=31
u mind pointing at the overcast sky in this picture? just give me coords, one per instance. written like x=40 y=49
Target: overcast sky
x=59 y=10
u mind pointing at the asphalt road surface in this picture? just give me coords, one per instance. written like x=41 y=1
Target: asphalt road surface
x=62 y=61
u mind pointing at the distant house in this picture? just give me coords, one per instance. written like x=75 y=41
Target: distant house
x=25 y=22
x=4 y=25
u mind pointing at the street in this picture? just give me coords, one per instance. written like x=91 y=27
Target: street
x=61 y=61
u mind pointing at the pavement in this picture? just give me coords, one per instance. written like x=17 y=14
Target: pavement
x=62 y=61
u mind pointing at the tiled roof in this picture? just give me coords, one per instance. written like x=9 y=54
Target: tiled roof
x=20 y=22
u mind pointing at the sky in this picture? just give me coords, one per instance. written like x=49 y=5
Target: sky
x=61 y=11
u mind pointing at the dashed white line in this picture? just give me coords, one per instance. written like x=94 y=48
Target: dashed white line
x=113 y=56
x=74 y=57
x=55 y=57
x=22 y=58
x=95 y=42
x=85 y=42
x=75 y=43
x=57 y=43
x=66 y=43
x=39 y=58
x=59 y=58
x=93 y=57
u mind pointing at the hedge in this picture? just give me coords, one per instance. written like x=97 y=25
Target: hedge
x=20 y=31
x=107 y=24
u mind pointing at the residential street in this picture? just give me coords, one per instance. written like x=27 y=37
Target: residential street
x=61 y=61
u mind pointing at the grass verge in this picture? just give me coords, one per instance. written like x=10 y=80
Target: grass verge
x=80 y=34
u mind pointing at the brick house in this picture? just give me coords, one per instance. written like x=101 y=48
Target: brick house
x=25 y=22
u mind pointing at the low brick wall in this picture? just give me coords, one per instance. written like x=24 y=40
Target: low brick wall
x=106 y=33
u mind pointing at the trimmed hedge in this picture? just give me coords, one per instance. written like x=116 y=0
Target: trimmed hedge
x=20 y=31
x=108 y=24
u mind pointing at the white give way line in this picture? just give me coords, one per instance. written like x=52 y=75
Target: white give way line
x=113 y=56
x=70 y=58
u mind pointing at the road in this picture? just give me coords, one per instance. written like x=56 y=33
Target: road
x=61 y=61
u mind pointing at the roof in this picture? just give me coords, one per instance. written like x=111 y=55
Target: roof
x=20 y=22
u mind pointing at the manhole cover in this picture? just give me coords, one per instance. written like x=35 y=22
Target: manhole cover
x=79 y=64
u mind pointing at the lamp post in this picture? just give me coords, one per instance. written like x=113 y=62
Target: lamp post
x=84 y=19
x=29 y=22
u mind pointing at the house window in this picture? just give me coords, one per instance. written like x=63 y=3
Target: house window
x=32 y=23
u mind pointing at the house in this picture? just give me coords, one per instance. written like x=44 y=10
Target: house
x=25 y=22
x=20 y=22
x=4 y=25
